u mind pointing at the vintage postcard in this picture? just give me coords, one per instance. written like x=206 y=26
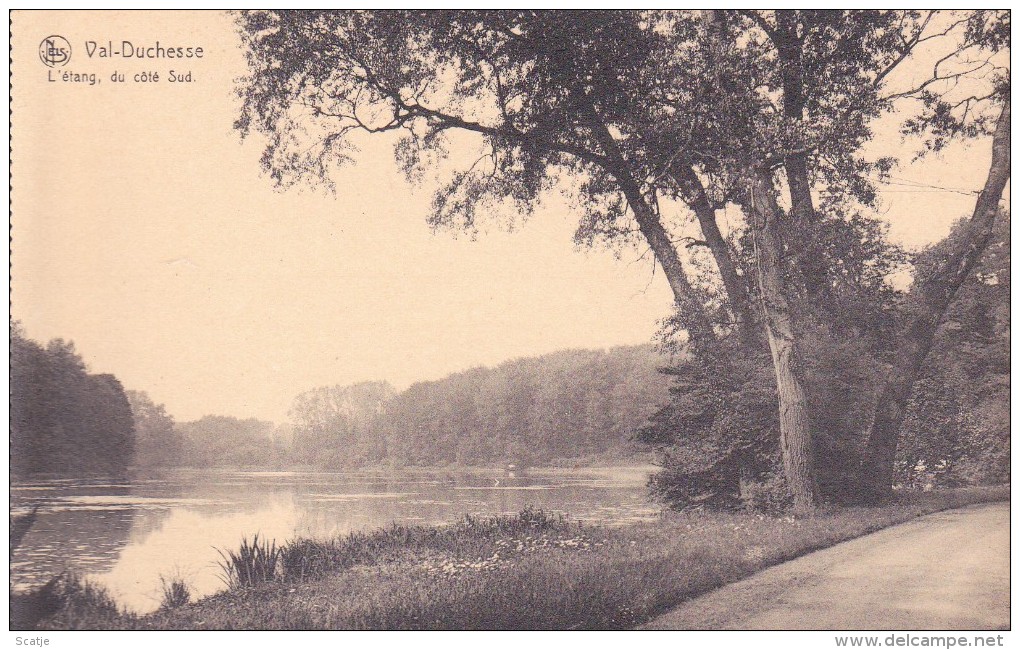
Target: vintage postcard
x=511 y=320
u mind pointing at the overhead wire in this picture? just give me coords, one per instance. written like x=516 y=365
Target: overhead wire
x=918 y=187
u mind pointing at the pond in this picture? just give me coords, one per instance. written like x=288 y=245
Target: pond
x=129 y=534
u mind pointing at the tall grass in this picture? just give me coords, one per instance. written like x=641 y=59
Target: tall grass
x=254 y=563
x=305 y=559
x=176 y=592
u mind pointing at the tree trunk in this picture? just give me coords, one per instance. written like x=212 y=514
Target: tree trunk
x=698 y=326
x=789 y=44
x=932 y=297
x=790 y=47
x=794 y=418
x=699 y=329
x=736 y=290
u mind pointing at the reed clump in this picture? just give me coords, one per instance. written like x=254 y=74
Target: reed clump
x=176 y=592
x=253 y=563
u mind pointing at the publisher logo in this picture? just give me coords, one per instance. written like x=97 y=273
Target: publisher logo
x=55 y=51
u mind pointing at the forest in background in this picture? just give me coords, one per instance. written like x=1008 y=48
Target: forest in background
x=573 y=405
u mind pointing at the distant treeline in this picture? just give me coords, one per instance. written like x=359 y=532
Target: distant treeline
x=212 y=441
x=570 y=405
x=69 y=422
x=63 y=419
x=576 y=404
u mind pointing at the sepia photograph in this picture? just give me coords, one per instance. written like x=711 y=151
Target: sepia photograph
x=688 y=322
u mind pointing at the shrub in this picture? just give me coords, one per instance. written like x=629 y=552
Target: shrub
x=70 y=602
x=721 y=425
x=770 y=494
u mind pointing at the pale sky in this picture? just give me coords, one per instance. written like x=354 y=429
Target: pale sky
x=145 y=232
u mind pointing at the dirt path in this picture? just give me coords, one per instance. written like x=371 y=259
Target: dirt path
x=949 y=570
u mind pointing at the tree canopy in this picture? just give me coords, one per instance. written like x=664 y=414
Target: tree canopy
x=65 y=420
x=158 y=443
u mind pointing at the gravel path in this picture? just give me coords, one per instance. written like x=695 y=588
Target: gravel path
x=948 y=570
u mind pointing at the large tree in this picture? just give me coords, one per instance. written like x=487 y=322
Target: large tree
x=818 y=79
x=634 y=112
x=930 y=299
x=584 y=96
x=966 y=94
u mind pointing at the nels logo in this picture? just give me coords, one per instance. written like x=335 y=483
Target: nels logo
x=55 y=51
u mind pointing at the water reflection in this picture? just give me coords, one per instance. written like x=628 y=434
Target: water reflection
x=129 y=535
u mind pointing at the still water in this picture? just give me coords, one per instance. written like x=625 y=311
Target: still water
x=127 y=535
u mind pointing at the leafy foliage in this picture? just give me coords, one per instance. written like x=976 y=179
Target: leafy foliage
x=957 y=426
x=635 y=114
x=975 y=69
x=337 y=426
x=718 y=439
x=722 y=416
x=63 y=419
x=569 y=406
x=158 y=442
x=224 y=441
x=574 y=404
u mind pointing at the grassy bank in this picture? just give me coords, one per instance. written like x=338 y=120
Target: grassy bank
x=529 y=571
